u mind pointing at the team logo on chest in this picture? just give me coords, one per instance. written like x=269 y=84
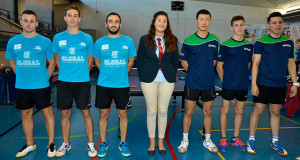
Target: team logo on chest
x=63 y=43
x=72 y=51
x=286 y=45
x=82 y=44
x=17 y=46
x=105 y=47
x=212 y=45
x=26 y=54
x=247 y=49
x=37 y=48
x=124 y=47
x=114 y=54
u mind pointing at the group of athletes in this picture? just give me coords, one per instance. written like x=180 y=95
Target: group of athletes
x=73 y=52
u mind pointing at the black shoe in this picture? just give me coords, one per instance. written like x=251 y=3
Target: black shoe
x=161 y=151
x=151 y=152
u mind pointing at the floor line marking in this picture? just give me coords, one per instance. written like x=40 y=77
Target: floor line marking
x=220 y=155
x=167 y=135
x=246 y=129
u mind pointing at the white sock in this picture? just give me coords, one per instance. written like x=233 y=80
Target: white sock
x=207 y=137
x=251 y=138
x=274 y=138
x=186 y=136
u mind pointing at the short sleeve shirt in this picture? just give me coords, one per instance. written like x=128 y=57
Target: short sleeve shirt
x=73 y=50
x=200 y=54
x=30 y=55
x=114 y=54
x=275 y=54
x=236 y=56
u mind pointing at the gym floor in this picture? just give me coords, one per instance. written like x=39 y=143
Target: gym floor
x=12 y=136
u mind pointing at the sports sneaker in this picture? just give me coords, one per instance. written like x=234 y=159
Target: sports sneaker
x=210 y=146
x=91 y=150
x=63 y=149
x=25 y=149
x=223 y=145
x=183 y=146
x=251 y=147
x=102 y=150
x=278 y=148
x=238 y=144
x=51 y=150
x=123 y=147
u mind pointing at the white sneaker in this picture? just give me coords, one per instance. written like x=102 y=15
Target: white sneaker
x=210 y=146
x=183 y=146
x=25 y=149
x=63 y=149
x=91 y=150
x=51 y=150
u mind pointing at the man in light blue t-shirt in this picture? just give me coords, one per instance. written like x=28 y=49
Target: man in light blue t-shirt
x=115 y=57
x=73 y=53
x=27 y=54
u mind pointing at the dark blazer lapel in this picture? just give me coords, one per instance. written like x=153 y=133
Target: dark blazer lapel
x=154 y=54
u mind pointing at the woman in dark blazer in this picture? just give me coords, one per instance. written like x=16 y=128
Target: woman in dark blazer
x=157 y=62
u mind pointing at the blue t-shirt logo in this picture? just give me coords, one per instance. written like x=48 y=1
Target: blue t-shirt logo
x=17 y=46
x=63 y=43
x=114 y=54
x=37 y=48
x=105 y=47
x=82 y=44
x=26 y=54
x=125 y=47
x=72 y=51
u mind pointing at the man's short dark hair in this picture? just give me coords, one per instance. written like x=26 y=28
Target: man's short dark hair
x=113 y=13
x=274 y=14
x=69 y=7
x=203 y=11
x=237 y=18
x=28 y=12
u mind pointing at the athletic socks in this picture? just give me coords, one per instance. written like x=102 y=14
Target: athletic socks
x=186 y=136
x=274 y=138
x=207 y=137
x=251 y=138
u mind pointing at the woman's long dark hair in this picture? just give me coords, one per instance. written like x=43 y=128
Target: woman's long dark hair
x=170 y=39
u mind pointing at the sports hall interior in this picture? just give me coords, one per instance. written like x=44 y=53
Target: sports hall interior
x=136 y=19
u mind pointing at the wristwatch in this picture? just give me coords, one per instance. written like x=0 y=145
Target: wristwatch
x=296 y=84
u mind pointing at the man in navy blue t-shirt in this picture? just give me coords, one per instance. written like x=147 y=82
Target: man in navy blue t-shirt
x=28 y=53
x=234 y=61
x=199 y=56
x=273 y=55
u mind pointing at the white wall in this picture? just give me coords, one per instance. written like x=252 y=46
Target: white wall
x=137 y=15
x=42 y=9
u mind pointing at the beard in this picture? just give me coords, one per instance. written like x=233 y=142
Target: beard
x=113 y=32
